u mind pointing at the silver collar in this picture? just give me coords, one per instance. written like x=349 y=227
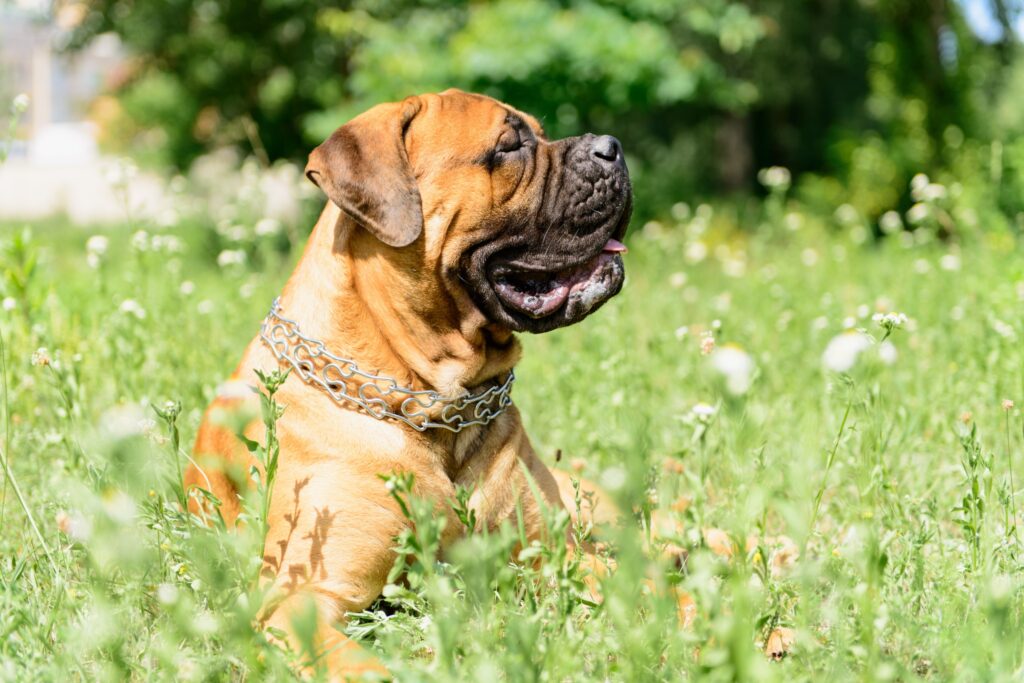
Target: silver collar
x=374 y=394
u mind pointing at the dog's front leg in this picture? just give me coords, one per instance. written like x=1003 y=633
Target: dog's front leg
x=332 y=528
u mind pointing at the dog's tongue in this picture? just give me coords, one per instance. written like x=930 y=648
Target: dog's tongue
x=614 y=247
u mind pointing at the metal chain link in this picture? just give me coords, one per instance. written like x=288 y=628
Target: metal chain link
x=289 y=345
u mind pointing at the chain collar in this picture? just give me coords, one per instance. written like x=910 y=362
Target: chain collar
x=374 y=394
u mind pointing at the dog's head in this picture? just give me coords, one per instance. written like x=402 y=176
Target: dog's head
x=467 y=194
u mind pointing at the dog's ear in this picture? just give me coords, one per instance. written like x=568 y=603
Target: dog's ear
x=364 y=169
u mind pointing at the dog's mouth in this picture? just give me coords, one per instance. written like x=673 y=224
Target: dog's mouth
x=578 y=289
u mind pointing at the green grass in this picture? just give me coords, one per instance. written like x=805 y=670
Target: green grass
x=910 y=561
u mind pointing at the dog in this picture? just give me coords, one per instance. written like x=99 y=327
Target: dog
x=452 y=224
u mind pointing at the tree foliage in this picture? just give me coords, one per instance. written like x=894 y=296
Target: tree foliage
x=702 y=92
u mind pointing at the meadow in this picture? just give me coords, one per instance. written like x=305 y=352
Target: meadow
x=845 y=485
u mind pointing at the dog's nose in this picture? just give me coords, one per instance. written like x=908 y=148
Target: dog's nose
x=607 y=149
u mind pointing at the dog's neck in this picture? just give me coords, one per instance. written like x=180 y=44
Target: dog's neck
x=390 y=317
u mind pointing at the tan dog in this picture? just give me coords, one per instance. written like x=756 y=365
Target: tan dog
x=452 y=223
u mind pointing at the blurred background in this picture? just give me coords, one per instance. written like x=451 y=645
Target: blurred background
x=838 y=103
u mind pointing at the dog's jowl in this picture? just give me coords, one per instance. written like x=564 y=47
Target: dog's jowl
x=452 y=224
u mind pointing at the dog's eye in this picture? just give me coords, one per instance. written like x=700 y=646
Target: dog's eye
x=510 y=141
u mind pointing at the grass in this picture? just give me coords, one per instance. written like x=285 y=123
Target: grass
x=860 y=525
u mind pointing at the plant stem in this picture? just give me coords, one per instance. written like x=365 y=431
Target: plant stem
x=828 y=468
x=1009 y=462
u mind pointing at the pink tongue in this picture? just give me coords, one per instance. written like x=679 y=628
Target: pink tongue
x=614 y=247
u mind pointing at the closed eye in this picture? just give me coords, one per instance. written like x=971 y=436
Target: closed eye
x=510 y=141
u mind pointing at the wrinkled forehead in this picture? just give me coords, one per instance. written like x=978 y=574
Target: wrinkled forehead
x=461 y=124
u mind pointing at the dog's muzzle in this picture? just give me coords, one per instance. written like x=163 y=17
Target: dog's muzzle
x=566 y=261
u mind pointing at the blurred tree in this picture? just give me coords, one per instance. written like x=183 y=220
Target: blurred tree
x=278 y=75
x=1006 y=13
x=702 y=92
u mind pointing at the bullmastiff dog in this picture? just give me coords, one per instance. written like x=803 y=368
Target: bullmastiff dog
x=452 y=224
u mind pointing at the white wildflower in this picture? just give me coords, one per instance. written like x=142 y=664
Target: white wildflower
x=682 y=332
x=148 y=427
x=167 y=218
x=97 y=244
x=677 y=280
x=132 y=307
x=95 y=248
x=230 y=257
x=237 y=233
x=120 y=507
x=707 y=343
x=124 y=421
x=187 y=287
x=774 y=177
x=41 y=357
x=167 y=593
x=140 y=241
x=809 y=257
x=889 y=321
x=9 y=303
x=613 y=478
x=932 y=192
x=736 y=365
x=793 y=221
x=696 y=252
x=74 y=526
x=950 y=262
x=917 y=214
x=734 y=267
x=234 y=389
x=168 y=244
x=887 y=352
x=205 y=307
x=703 y=411
x=121 y=172
x=681 y=211
x=268 y=226
x=20 y=103
x=1003 y=329
x=890 y=222
x=847 y=214
x=858 y=233
x=843 y=350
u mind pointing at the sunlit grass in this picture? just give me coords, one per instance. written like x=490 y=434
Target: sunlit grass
x=867 y=516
